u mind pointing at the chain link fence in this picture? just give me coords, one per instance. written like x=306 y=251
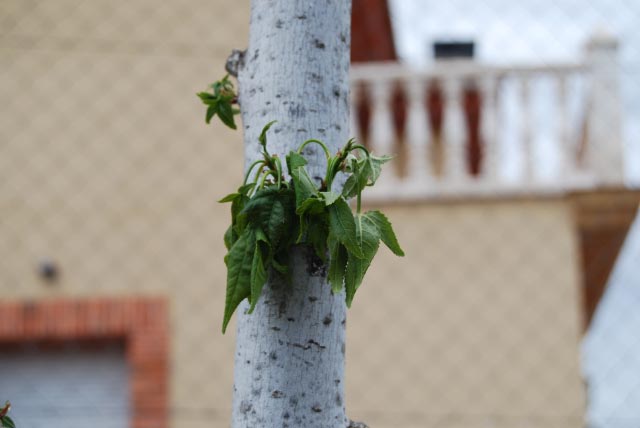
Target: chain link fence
x=108 y=187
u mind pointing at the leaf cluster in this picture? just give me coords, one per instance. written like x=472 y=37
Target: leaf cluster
x=270 y=214
x=6 y=421
x=220 y=101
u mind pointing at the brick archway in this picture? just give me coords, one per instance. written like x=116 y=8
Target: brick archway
x=142 y=323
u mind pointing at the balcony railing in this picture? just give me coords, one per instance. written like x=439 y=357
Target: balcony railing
x=464 y=129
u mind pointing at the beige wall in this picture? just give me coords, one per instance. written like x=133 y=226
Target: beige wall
x=478 y=326
x=107 y=167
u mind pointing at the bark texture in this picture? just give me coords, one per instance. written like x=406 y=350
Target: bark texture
x=289 y=362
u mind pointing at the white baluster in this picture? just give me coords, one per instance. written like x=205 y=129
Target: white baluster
x=604 y=150
x=525 y=130
x=381 y=132
x=455 y=159
x=417 y=131
x=566 y=161
x=489 y=129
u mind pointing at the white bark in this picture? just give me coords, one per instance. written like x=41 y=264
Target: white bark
x=289 y=362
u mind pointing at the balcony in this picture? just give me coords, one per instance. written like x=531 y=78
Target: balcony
x=463 y=129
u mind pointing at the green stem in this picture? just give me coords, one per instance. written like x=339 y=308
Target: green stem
x=320 y=143
x=329 y=175
x=328 y=178
x=278 y=169
x=246 y=176
x=358 y=202
x=259 y=172
x=360 y=147
x=264 y=178
x=334 y=164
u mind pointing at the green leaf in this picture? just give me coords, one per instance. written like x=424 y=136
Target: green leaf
x=294 y=160
x=268 y=209
x=317 y=236
x=245 y=189
x=239 y=220
x=227 y=98
x=350 y=163
x=238 y=204
x=211 y=111
x=230 y=237
x=225 y=112
x=357 y=180
x=342 y=226
x=242 y=191
x=375 y=167
x=261 y=201
x=365 y=172
x=275 y=222
x=229 y=198
x=239 y=263
x=369 y=240
x=337 y=265
x=7 y=422
x=383 y=225
x=220 y=102
x=207 y=98
x=351 y=186
x=263 y=135
x=304 y=185
x=5 y=409
x=329 y=197
x=312 y=205
x=258 y=277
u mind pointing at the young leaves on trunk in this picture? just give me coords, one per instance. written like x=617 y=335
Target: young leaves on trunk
x=5 y=420
x=260 y=224
x=220 y=101
x=271 y=214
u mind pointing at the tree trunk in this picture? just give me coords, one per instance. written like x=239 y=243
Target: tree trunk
x=289 y=363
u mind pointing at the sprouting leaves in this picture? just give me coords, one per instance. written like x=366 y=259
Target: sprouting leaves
x=337 y=264
x=271 y=214
x=364 y=172
x=220 y=101
x=385 y=231
x=259 y=233
x=239 y=263
x=368 y=240
x=343 y=226
x=5 y=420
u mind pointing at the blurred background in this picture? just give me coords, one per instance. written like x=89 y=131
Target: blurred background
x=514 y=193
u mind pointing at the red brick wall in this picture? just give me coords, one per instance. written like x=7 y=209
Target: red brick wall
x=141 y=322
x=371 y=32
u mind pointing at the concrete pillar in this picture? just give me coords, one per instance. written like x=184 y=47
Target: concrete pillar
x=603 y=150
